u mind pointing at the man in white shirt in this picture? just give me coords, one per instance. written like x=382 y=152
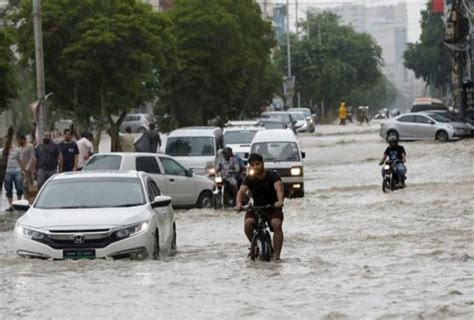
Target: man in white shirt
x=86 y=149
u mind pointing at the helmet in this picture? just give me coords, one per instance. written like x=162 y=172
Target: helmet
x=227 y=151
x=392 y=139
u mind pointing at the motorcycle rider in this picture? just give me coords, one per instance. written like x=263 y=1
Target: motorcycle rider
x=230 y=169
x=267 y=189
x=396 y=153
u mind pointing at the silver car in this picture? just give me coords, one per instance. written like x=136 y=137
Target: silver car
x=185 y=187
x=423 y=126
x=138 y=122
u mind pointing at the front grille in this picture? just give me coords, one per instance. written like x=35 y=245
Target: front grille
x=88 y=243
x=79 y=231
x=283 y=172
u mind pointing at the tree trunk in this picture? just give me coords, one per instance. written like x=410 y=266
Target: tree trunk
x=114 y=132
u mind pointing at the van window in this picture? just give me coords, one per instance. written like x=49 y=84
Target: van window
x=277 y=151
x=190 y=146
x=103 y=162
x=147 y=164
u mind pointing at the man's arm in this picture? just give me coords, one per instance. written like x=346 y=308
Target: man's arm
x=383 y=159
x=240 y=197
x=278 y=185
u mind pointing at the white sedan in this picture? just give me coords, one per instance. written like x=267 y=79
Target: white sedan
x=87 y=215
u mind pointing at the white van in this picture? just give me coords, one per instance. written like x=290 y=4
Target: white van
x=282 y=153
x=195 y=147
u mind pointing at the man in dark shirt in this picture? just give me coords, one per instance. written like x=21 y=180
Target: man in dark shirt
x=267 y=189
x=155 y=140
x=397 y=154
x=47 y=157
x=69 y=151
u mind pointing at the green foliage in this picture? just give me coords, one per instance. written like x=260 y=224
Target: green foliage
x=8 y=81
x=224 y=63
x=329 y=67
x=381 y=95
x=102 y=57
x=429 y=59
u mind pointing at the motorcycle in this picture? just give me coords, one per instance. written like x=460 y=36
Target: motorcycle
x=222 y=194
x=391 y=181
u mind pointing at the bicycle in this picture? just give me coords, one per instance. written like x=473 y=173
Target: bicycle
x=261 y=244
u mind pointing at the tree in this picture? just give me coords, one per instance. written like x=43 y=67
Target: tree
x=329 y=67
x=8 y=81
x=429 y=58
x=224 y=63
x=102 y=57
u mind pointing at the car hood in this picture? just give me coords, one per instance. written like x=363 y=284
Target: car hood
x=460 y=125
x=64 y=219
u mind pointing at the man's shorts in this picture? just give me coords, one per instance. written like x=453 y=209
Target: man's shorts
x=275 y=213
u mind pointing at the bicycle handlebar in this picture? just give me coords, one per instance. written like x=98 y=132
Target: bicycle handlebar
x=249 y=207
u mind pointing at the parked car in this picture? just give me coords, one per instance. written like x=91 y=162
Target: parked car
x=421 y=125
x=273 y=123
x=185 y=187
x=424 y=104
x=138 y=122
x=457 y=118
x=282 y=153
x=311 y=119
x=301 y=122
x=239 y=134
x=87 y=215
x=282 y=115
x=195 y=147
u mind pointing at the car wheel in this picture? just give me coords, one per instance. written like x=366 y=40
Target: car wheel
x=141 y=130
x=392 y=133
x=156 y=246
x=205 y=200
x=173 y=244
x=442 y=136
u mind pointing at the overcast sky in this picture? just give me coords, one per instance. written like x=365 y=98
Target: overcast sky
x=413 y=7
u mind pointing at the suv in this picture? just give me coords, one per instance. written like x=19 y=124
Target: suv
x=186 y=188
x=138 y=122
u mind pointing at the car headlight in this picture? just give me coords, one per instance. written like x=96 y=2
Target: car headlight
x=450 y=127
x=30 y=233
x=296 y=171
x=132 y=230
x=251 y=172
x=219 y=179
x=211 y=171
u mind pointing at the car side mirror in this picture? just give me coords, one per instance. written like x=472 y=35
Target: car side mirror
x=431 y=122
x=303 y=154
x=21 y=205
x=246 y=155
x=189 y=173
x=161 y=201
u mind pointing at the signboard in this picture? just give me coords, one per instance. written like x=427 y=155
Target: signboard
x=438 y=6
x=469 y=89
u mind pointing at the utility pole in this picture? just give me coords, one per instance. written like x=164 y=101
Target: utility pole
x=40 y=90
x=296 y=17
x=289 y=80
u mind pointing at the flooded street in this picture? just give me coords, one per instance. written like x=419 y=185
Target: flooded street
x=350 y=251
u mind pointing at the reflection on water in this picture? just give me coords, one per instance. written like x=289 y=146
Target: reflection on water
x=350 y=251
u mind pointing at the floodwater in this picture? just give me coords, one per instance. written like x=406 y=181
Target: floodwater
x=350 y=251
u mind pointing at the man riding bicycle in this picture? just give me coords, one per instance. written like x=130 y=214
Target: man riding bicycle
x=267 y=189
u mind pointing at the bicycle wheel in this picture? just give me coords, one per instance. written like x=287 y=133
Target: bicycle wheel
x=255 y=247
x=266 y=247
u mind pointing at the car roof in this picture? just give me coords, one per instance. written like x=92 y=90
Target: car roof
x=131 y=154
x=244 y=128
x=275 y=135
x=98 y=174
x=242 y=123
x=197 y=131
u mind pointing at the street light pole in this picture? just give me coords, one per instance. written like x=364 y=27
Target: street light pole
x=288 y=50
x=40 y=88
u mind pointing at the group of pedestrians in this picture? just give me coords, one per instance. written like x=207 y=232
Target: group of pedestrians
x=27 y=164
x=346 y=113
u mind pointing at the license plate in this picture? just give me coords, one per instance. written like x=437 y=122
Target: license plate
x=79 y=254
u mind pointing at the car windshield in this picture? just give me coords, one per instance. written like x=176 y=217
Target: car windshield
x=91 y=193
x=237 y=137
x=440 y=118
x=103 y=162
x=285 y=117
x=190 y=146
x=277 y=151
x=298 y=116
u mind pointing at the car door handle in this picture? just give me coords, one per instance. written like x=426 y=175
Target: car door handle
x=172 y=180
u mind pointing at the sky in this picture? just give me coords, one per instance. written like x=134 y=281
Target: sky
x=413 y=7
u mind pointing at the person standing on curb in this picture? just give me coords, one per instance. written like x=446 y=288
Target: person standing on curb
x=27 y=159
x=13 y=175
x=69 y=152
x=86 y=149
x=47 y=157
x=127 y=140
x=342 y=113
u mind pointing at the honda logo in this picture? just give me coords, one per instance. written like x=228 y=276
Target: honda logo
x=78 y=239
